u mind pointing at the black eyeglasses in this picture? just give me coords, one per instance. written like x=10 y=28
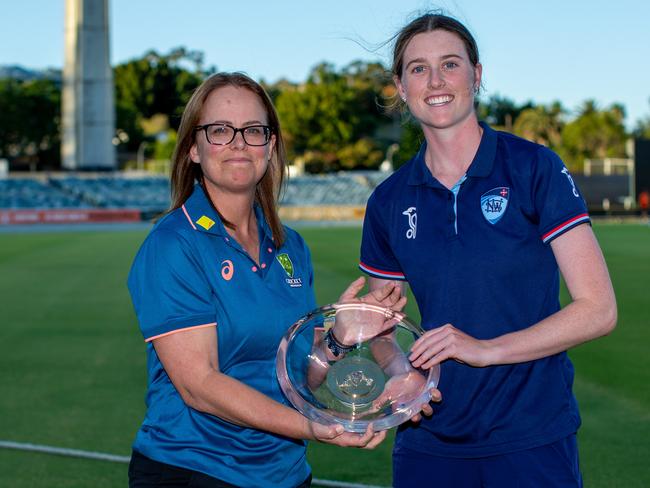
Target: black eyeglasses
x=223 y=134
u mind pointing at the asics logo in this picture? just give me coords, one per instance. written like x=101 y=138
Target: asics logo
x=227 y=269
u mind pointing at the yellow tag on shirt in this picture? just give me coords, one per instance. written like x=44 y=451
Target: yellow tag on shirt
x=205 y=222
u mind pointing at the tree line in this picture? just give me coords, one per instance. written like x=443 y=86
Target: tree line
x=337 y=119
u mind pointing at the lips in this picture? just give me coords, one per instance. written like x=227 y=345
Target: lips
x=237 y=160
x=438 y=100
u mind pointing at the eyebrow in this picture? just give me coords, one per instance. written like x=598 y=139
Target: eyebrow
x=247 y=123
x=423 y=60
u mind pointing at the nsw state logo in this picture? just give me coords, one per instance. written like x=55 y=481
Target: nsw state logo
x=494 y=203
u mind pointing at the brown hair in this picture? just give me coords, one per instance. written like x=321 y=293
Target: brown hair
x=185 y=173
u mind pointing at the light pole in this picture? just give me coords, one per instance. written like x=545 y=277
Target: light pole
x=140 y=155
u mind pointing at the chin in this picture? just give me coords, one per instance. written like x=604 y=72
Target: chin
x=447 y=122
x=440 y=124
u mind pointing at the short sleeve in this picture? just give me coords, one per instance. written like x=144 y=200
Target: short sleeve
x=377 y=258
x=168 y=287
x=557 y=200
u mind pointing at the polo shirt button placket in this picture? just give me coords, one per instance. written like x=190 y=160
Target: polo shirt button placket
x=263 y=264
x=451 y=220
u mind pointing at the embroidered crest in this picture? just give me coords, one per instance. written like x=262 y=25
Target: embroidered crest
x=494 y=203
x=285 y=262
x=205 y=222
x=413 y=222
x=287 y=265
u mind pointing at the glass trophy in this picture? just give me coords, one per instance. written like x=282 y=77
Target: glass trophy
x=366 y=380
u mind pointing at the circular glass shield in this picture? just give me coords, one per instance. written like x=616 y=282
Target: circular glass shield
x=370 y=382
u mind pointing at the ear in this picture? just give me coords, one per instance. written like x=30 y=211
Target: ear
x=194 y=154
x=401 y=90
x=271 y=145
x=478 y=74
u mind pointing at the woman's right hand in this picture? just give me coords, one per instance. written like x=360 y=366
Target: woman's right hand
x=336 y=435
x=448 y=342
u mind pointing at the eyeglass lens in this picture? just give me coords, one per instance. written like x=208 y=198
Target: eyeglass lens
x=254 y=135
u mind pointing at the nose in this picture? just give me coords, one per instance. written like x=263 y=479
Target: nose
x=238 y=142
x=436 y=79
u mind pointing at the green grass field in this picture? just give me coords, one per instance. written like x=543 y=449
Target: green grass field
x=72 y=363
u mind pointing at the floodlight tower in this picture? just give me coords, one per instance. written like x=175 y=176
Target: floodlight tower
x=88 y=110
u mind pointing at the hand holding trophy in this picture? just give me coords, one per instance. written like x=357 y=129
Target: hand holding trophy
x=347 y=363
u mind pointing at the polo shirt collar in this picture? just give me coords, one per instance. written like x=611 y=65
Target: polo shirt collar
x=481 y=165
x=262 y=224
x=420 y=174
x=487 y=150
x=199 y=211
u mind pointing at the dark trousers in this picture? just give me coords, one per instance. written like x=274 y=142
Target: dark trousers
x=554 y=465
x=147 y=473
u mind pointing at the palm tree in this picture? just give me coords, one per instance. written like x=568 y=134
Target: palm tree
x=542 y=124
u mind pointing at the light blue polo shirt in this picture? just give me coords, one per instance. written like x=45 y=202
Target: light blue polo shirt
x=479 y=257
x=190 y=273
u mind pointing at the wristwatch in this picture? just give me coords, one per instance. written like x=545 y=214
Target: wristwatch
x=335 y=346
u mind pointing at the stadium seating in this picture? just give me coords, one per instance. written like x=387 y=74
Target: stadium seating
x=151 y=194
x=32 y=194
x=337 y=189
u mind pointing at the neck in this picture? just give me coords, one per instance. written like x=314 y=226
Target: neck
x=236 y=208
x=451 y=151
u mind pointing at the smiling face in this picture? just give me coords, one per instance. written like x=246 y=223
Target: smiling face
x=438 y=80
x=235 y=167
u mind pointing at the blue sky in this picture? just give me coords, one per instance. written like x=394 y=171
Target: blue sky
x=567 y=50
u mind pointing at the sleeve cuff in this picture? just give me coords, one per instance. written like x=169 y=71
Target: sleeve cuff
x=380 y=273
x=160 y=334
x=565 y=226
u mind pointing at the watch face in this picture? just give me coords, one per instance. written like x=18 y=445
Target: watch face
x=356 y=381
x=371 y=383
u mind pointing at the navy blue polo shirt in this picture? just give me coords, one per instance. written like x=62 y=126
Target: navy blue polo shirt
x=190 y=273
x=479 y=258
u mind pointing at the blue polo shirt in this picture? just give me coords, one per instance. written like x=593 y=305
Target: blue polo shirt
x=190 y=273
x=479 y=258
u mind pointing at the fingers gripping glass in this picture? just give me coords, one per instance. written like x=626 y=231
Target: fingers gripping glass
x=223 y=134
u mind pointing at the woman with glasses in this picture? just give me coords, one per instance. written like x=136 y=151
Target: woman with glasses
x=480 y=224
x=215 y=286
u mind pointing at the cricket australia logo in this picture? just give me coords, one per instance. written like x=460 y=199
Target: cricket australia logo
x=287 y=265
x=494 y=204
x=413 y=222
x=573 y=185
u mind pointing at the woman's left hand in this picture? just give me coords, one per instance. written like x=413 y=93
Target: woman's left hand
x=336 y=435
x=448 y=342
x=389 y=295
x=389 y=298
